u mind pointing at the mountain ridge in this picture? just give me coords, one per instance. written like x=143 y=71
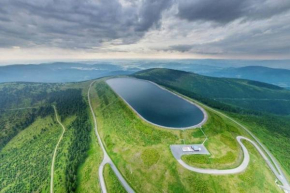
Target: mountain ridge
x=277 y=76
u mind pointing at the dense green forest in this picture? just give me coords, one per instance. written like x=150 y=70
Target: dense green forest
x=261 y=116
x=71 y=103
x=18 y=95
x=12 y=122
x=26 y=114
x=26 y=159
x=23 y=96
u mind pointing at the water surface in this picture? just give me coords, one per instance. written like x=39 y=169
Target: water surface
x=155 y=104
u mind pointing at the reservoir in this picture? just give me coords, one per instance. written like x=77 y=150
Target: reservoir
x=157 y=105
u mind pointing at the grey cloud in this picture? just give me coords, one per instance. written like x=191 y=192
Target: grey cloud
x=75 y=23
x=225 y=11
x=181 y=48
x=274 y=41
x=88 y=24
x=150 y=13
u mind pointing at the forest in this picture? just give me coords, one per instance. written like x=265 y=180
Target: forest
x=71 y=103
x=29 y=134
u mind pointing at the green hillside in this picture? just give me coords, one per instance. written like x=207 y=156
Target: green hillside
x=236 y=92
x=141 y=151
x=272 y=130
x=274 y=76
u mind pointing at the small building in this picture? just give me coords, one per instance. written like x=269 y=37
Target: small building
x=195 y=148
x=187 y=149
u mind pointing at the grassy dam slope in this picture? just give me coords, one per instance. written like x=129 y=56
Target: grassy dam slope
x=265 y=111
x=141 y=151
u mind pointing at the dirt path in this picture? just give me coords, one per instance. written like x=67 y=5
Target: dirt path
x=55 y=150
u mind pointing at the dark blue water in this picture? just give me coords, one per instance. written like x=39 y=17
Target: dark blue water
x=155 y=104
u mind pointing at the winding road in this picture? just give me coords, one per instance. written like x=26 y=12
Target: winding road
x=55 y=150
x=267 y=156
x=276 y=170
x=272 y=162
x=106 y=158
x=238 y=169
x=241 y=167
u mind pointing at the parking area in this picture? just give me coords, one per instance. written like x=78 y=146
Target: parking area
x=179 y=150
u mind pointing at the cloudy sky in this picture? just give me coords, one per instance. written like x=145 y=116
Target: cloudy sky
x=93 y=29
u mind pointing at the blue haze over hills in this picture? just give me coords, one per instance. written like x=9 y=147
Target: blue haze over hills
x=270 y=71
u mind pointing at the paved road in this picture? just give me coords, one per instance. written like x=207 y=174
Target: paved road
x=55 y=150
x=239 y=169
x=106 y=158
x=275 y=167
x=272 y=163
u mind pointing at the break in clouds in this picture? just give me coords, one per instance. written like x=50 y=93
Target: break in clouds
x=205 y=27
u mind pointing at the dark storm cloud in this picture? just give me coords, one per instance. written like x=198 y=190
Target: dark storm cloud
x=150 y=13
x=224 y=11
x=181 y=48
x=76 y=23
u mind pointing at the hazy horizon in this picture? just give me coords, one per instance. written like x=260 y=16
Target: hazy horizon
x=224 y=63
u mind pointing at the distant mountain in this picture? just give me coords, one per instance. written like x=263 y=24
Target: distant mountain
x=59 y=72
x=75 y=72
x=246 y=94
x=81 y=71
x=280 y=77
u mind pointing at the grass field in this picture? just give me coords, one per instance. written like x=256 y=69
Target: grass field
x=276 y=140
x=221 y=143
x=88 y=178
x=112 y=182
x=129 y=141
x=262 y=108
